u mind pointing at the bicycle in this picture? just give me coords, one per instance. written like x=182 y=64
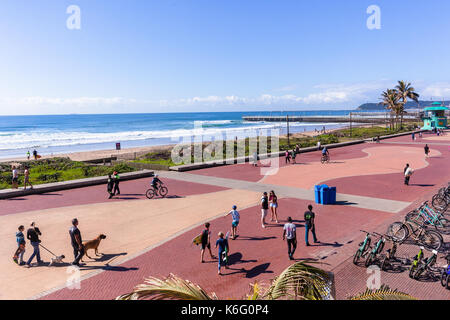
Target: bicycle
x=426 y=266
x=161 y=190
x=376 y=250
x=363 y=248
x=325 y=159
x=426 y=215
x=389 y=260
x=430 y=239
x=416 y=260
x=445 y=274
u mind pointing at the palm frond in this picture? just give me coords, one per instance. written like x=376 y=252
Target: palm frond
x=171 y=287
x=383 y=293
x=300 y=281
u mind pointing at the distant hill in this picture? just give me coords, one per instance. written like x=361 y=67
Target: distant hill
x=409 y=105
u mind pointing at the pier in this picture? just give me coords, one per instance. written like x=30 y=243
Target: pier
x=357 y=117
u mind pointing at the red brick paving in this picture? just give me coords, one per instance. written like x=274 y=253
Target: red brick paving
x=258 y=254
x=391 y=187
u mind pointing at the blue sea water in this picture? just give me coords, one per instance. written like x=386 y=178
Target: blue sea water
x=53 y=134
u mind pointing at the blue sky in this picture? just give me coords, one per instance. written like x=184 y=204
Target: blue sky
x=210 y=55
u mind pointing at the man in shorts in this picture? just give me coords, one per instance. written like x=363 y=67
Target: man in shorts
x=15 y=178
x=264 y=208
x=206 y=242
x=235 y=215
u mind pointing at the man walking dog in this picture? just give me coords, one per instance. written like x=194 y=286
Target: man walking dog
x=76 y=241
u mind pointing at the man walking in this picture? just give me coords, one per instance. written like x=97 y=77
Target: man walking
x=110 y=186
x=116 y=179
x=35 y=154
x=290 y=233
x=33 y=234
x=310 y=224
x=206 y=242
x=76 y=241
x=427 y=150
x=264 y=208
x=408 y=171
x=28 y=155
x=15 y=178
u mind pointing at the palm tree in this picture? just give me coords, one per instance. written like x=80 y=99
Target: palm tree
x=299 y=281
x=405 y=91
x=390 y=99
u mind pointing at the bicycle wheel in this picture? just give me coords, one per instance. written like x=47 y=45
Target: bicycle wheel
x=432 y=240
x=412 y=270
x=398 y=231
x=163 y=191
x=370 y=259
x=442 y=225
x=438 y=202
x=356 y=257
x=443 y=277
x=150 y=193
x=418 y=273
x=447 y=282
x=385 y=263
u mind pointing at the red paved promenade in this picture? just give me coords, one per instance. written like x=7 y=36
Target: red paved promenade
x=257 y=254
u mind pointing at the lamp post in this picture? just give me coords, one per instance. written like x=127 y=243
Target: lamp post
x=287 y=123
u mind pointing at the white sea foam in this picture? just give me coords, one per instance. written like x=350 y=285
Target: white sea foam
x=46 y=139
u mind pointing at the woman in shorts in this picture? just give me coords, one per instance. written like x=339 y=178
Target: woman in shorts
x=273 y=199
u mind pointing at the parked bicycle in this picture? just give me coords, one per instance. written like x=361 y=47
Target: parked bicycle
x=428 y=217
x=390 y=260
x=161 y=190
x=426 y=266
x=401 y=231
x=376 y=250
x=445 y=274
x=363 y=248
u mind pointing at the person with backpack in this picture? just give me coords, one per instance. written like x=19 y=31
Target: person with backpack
x=206 y=242
x=20 y=239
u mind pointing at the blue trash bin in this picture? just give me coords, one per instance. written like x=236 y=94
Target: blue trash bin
x=317 y=193
x=324 y=194
x=332 y=195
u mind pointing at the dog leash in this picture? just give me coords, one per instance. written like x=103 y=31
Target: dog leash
x=47 y=250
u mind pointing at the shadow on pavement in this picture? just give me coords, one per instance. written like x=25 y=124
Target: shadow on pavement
x=254 y=238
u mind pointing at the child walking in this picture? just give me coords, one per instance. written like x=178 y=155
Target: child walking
x=20 y=238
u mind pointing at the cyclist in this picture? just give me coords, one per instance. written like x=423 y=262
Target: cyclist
x=325 y=153
x=155 y=182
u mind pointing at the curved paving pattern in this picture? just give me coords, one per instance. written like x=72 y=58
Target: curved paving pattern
x=374 y=163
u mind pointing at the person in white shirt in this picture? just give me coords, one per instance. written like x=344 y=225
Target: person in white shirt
x=290 y=233
x=408 y=171
x=236 y=217
x=15 y=178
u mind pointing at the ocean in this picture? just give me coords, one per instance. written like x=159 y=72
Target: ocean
x=56 y=134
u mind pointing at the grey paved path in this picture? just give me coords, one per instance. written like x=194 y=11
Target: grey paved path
x=391 y=206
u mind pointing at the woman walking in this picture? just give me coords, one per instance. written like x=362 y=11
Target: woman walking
x=273 y=199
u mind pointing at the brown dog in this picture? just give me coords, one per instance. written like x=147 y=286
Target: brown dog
x=93 y=244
